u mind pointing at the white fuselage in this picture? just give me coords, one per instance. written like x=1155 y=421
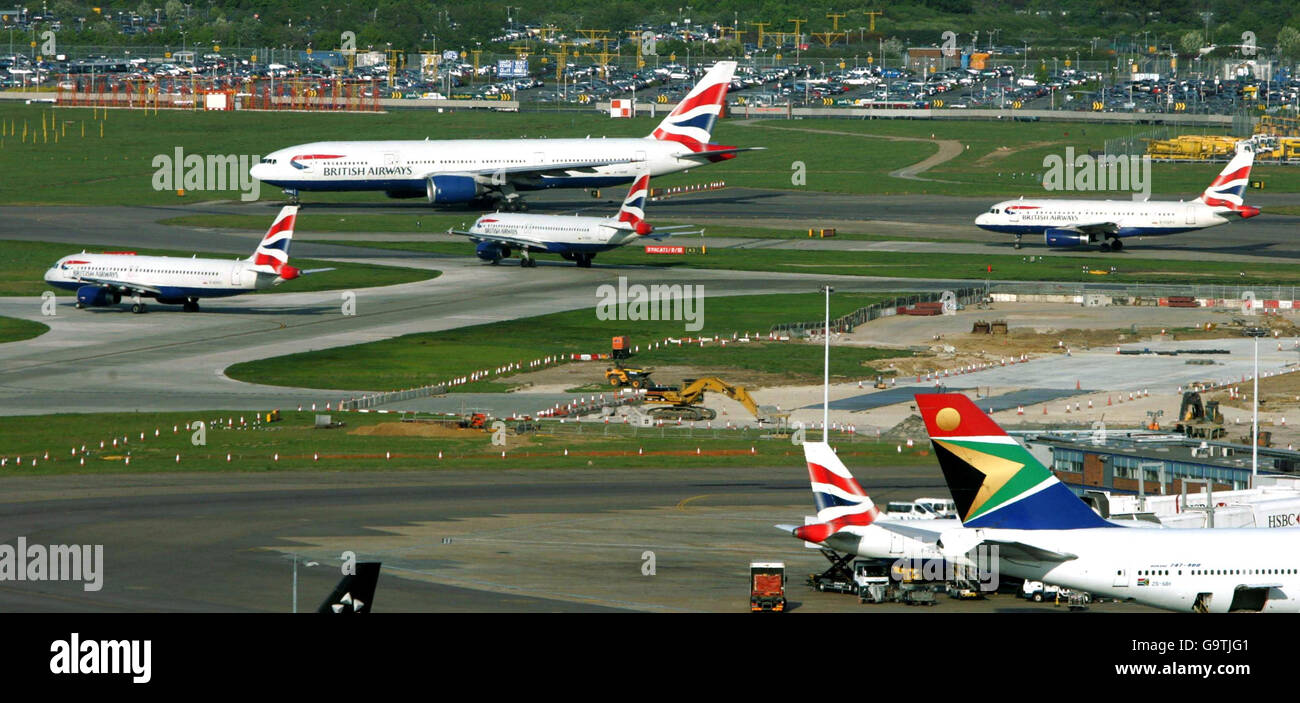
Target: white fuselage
x=1165 y=568
x=177 y=277
x=402 y=168
x=1131 y=218
x=557 y=234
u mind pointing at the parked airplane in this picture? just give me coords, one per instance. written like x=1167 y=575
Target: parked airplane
x=1044 y=532
x=1073 y=223
x=464 y=170
x=575 y=238
x=104 y=279
x=848 y=521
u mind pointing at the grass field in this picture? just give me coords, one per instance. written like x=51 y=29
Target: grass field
x=23 y=267
x=13 y=329
x=838 y=154
x=1005 y=267
x=381 y=442
x=421 y=359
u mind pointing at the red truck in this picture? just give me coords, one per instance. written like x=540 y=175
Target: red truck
x=766 y=586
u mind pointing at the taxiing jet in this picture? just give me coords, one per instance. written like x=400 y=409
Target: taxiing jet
x=1044 y=532
x=104 y=279
x=465 y=170
x=576 y=238
x=1073 y=223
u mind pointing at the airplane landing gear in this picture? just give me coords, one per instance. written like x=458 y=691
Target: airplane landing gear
x=293 y=195
x=1018 y=236
x=1105 y=246
x=137 y=308
x=584 y=260
x=1117 y=245
x=191 y=305
x=526 y=261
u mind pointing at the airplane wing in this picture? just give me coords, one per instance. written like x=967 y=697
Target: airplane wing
x=1101 y=228
x=556 y=169
x=307 y=271
x=499 y=238
x=706 y=155
x=913 y=529
x=1020 y=551
x=122 y=286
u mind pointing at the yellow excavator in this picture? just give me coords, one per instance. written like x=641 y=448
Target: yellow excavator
x=684 y=402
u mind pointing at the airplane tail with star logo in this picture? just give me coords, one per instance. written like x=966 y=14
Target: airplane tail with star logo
x=996 y=482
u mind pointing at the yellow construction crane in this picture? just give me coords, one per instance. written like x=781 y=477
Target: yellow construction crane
x=798 y=25
x=760 y=26
x=836 y=17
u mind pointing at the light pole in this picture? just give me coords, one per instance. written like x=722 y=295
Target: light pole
x=826 y=368
x=295 y=578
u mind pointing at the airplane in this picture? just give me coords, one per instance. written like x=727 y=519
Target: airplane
x=464 y=170
x=849 y=522
x=104 y=279
x=1073 y=223
x=355 y=592
x=576 y=238
x=1007 y=499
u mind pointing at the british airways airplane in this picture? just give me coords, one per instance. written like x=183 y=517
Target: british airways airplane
x=1073 y=223
x=575 y=238
x=464 y=170
x=104 y=279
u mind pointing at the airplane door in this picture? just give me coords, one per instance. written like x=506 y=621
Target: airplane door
x=539 y=158
x=234 y=275
x=1013 y=215
x=392 y=159
x=1191 y=214
x=895 y=543
x=1121 y=577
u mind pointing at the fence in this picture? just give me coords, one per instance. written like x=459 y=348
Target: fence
x=219 y=93
x=846 y=323
x=371 y=401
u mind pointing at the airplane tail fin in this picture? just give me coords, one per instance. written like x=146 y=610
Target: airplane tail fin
x=994 y=481
x=355 y=592
x=840 y=500
x=273 y=251
x=691 y=122
x=1228 y=189
x=633 y=211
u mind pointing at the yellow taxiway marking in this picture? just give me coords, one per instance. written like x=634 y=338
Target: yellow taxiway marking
x=682 y=504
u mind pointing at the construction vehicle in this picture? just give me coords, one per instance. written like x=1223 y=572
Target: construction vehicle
x=474 y=421
x=620 y=375
x=683 y=403
x=621 y=347
x=880 y=383
x=273 y=416
x=1200 y=420
x=766 y=586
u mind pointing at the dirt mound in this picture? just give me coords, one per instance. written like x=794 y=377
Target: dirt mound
x=911 y=428
x=416 y=429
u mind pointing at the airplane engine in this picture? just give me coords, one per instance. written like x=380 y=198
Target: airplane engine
x=491 y=251
x=90 y=296
x=1057 y=237
x=452 y=189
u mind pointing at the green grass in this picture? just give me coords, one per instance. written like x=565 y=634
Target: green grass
x=23 y=267
x=296 y=441
x=1056 y=267
x=426 y=358
x=13 y=329
x=118 y=168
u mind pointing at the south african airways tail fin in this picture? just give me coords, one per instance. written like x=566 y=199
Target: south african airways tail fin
x=994 y=481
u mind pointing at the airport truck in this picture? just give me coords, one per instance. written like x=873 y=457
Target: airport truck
x=767 y=586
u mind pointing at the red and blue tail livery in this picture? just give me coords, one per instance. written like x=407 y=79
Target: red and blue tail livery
x=994 y=481
x=840 y=500
x=273 y=252
x=633 y=210
x=1228 y=189
x=691 y=122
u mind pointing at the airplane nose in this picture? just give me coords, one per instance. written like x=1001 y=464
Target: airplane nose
x=260 y=171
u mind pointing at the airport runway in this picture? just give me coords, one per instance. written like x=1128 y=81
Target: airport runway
x=110 y=360
x=450 y=541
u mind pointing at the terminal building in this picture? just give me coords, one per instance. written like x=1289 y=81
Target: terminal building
x=1154 y=463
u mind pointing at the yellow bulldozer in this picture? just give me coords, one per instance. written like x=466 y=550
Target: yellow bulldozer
x=684 y=403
